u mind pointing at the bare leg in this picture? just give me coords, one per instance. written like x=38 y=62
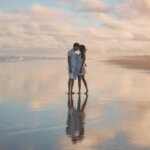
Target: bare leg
x=69 y=85
x=72 y=84
x=79 y=84
x=85 y=84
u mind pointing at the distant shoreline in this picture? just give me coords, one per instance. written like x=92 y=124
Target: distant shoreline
x=133 y=62
x=12 y=58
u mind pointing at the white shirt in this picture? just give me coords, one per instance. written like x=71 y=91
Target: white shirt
x=74 y=58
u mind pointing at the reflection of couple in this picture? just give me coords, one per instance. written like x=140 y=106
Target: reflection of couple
x=75 y=119
x=76 y=64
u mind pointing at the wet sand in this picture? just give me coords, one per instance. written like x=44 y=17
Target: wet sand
x=36 y=113
x=134 y=62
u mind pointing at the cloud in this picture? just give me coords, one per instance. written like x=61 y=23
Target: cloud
x=100 y=26
x=44 y=11
x=141 y=6
x=134 y=9
x=26 y=28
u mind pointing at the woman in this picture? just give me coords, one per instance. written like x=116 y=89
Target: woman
x=81 y=68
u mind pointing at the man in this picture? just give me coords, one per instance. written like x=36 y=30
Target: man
x=72 y=67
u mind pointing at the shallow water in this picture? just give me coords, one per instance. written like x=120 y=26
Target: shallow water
x=34 y=112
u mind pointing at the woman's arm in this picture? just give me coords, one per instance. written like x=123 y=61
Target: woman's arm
x=82 y=63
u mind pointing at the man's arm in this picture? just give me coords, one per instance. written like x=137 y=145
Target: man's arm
x=69 y=63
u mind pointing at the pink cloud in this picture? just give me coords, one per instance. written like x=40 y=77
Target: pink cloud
x=58 y=28
x=141 y=6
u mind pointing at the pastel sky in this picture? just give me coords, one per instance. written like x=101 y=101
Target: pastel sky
x=104 y=26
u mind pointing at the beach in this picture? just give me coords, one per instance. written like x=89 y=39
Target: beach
x=134 y=62
x=34 y=110
x=44 y=45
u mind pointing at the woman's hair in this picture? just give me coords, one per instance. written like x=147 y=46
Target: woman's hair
x=82 y=50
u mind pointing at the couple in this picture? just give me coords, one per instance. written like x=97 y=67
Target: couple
x=76 y=64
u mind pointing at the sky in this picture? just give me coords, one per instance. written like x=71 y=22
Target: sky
x=104 y=26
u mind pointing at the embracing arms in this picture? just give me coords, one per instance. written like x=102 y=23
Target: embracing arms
x=83 y=62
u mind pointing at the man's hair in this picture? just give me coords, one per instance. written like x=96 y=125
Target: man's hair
x=76 y=45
